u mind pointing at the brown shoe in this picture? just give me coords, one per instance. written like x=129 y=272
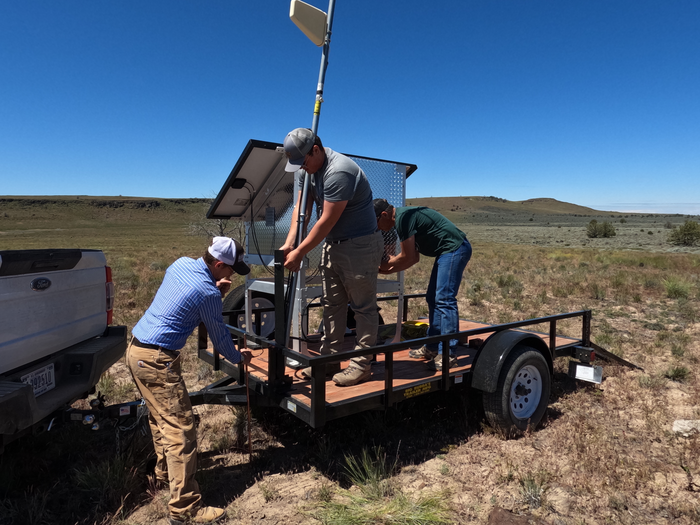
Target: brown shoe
x=331 y=369
x=421 y=353
x=203 y=515
x=352 y=375
x=436 y=363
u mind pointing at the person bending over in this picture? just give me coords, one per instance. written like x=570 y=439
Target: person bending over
x=424 y=231
x=189 y=295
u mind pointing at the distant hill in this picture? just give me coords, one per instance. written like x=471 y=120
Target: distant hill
x=495 y=205
x=454 y=208
x=485 y=204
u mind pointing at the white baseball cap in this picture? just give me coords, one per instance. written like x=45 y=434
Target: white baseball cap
x=229 y=251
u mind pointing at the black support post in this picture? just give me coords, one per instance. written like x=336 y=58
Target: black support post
x=275 y=357
x=586 y=329
x=553 y=338
x=388 y=379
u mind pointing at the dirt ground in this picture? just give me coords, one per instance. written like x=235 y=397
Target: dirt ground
x=603 y=453
x=606 y=453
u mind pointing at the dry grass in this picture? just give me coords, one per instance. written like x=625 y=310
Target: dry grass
x=603 y=454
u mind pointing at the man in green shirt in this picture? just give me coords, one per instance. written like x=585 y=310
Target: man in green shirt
x=425 y=231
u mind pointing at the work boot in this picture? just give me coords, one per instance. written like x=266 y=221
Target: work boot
x=352 y=375
x=421 y=353
x=436 y=363
x=202 y=515
x=331 y=369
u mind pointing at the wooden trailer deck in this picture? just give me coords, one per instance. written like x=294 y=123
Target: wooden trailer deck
x=409 y=375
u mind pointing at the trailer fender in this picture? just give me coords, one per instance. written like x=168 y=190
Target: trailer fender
x=494 y=352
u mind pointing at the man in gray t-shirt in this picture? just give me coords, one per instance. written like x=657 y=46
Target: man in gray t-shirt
x=352 y=251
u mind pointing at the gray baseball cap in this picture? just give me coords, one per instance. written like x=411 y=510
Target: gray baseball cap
x=297 y=145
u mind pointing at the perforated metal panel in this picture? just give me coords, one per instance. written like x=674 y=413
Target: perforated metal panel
x=263 y=194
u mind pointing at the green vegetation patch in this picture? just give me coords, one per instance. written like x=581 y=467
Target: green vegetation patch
x=400 y=509
x=686 y=235
x=597 y=229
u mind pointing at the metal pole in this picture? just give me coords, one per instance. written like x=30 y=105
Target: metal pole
x=297 y=282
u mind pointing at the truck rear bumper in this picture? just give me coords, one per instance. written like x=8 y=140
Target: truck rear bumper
x=77 y=370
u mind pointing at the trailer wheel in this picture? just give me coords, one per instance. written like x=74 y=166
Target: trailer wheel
x=522 y=394
x=235 y=300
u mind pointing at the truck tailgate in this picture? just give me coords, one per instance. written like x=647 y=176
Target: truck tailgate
x=76 y=369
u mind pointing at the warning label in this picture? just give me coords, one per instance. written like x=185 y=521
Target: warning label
x=417 y=390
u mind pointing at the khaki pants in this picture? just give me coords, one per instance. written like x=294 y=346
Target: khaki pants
x=157 y=374
x=350 y=272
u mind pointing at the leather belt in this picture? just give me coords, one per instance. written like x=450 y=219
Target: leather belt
x=138 y=343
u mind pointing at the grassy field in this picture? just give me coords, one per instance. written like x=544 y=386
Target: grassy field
x=603 y=454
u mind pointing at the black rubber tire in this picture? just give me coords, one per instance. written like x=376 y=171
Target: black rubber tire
x=235 y=300
x=526 y=376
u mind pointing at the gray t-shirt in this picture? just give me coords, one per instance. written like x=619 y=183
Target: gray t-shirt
x=341 y=179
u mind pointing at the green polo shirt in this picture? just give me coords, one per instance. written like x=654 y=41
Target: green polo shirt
x=435 y=235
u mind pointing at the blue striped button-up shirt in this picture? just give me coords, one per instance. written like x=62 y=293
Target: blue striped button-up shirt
x=187 y=297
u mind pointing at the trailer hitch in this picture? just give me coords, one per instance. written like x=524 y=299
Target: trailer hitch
x=221 y=392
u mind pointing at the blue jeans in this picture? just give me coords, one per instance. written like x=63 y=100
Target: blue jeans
x=442 y=294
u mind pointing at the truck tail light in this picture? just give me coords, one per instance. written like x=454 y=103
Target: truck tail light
x=109 y=288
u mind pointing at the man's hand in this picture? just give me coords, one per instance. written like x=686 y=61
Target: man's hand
x=247 y=356
x=385 y=268
x=292 y=260
x=224 y=285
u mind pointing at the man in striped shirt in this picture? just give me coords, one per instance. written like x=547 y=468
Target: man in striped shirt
x=189 y=295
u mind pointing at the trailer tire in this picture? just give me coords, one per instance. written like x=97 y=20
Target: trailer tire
x=235 y=300
x=522 y=394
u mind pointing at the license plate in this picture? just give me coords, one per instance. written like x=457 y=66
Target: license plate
x=42 y=379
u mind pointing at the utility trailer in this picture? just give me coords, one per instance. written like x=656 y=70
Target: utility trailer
x=511 y=365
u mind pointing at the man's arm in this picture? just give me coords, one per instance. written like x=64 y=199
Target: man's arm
x=212 y=317
x=329 y=217
x=408 y=257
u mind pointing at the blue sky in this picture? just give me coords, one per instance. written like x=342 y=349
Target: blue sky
x=594 y=102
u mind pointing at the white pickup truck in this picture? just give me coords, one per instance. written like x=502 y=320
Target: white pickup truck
x=55 y=334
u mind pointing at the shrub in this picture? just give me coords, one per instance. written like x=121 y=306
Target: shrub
x=371 y=472
x=677 y=288
x=677 y=350
x=603 y=229
x=686 y=235
x=677 y=373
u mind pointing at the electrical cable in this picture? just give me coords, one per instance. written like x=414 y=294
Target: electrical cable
x=253 y=230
